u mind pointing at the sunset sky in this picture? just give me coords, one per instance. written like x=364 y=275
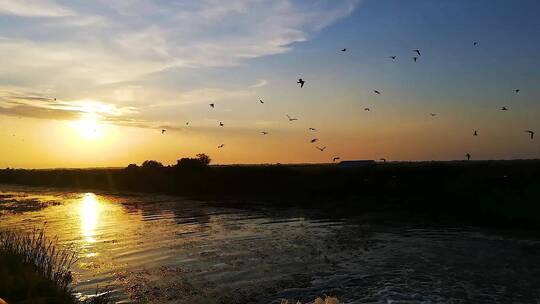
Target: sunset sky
x=123 y=70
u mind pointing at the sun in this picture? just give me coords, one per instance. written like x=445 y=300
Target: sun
x=89 y=127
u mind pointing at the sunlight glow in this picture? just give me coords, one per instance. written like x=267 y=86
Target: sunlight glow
x=89 y=127
x=90 y=210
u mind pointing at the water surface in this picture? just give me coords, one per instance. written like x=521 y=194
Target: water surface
x=162 y=249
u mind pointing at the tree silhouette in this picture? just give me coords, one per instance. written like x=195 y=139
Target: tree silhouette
x=132 y=167
x=151 y=165
x=202 y=161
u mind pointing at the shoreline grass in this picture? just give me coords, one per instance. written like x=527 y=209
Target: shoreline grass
x=35 y=269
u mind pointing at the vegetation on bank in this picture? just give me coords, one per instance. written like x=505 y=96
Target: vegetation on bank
x=34 y=269
x=481 y=191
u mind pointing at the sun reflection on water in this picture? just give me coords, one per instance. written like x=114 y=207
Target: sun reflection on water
x=90 y=209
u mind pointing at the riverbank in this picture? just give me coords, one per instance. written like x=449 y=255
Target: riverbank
x=480 y=192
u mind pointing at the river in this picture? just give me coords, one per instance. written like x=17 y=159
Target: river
x=164 y=249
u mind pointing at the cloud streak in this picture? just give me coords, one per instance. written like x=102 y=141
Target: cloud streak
x=127 y=52
x=259 y=84
x=140 y=37
x=33 y=8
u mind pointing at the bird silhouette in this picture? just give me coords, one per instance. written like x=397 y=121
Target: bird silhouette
x=290 y=118
x=475 y=43
x=377 y=92
x=335 y=158
x=468 y=155
x=163 y=131
x=417 y=52
x=221 y=146
x=383 y=160
x=314 y=140
x=344 y=50
x=221 y=124
x=367 y=109
x=312 y=129
x=212 y=105
x=504 y=109
x=321 y=149
x=392 y=57
x=433 y=114
x=260 y=100
x=264 y=133
x=475 y=133
x=301 y=82
x=517 y=90
x=531 y=133
x=187 y=123
x=415 y=59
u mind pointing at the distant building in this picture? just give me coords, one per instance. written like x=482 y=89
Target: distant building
x=356 y=164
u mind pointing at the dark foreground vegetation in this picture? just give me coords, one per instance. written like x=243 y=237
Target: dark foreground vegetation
x=34 y=269
x=496 y=192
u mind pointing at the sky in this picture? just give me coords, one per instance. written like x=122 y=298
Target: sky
x=93 y=83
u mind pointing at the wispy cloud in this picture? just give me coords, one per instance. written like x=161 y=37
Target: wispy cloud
x=138 y=37
x=123 y=51
x=259 y=84
x=33 y=8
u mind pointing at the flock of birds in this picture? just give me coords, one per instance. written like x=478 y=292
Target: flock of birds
x=301 y=82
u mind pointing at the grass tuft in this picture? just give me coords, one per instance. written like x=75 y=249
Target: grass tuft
x=34 y=248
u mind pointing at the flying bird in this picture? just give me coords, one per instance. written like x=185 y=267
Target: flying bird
x=417 y=52
x=344 y=50
x=312 y=129
x=475 y=133
x=475 y=43
x=313 y=140
x=415 y=59
x=383 y=160
x=392 y=57
x=531 y=133
x=221 y=146
x=187 y=123
x=468 y=155
x=163 y=131
x=260 y=100
x=335 y=158
x=221 y=124
x=301 y=82
x=377 y=92
x=290 y=118
x=517 y=90
x=321 y=149
x=504 y=109
x=212 y=105
x=264 y=133
x=433 y=114
x=367 y=109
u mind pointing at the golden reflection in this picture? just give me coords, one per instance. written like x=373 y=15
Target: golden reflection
x=90 y=210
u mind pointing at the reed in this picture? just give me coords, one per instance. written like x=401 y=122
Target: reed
x=49 y=260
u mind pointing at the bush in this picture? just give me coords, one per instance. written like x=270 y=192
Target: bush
x=202 y=161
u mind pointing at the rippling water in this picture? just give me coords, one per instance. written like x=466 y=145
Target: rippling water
x=161 y=249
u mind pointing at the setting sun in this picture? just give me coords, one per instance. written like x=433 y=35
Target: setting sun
x=89 y=127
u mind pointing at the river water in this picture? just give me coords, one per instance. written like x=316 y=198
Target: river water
x=163 y=249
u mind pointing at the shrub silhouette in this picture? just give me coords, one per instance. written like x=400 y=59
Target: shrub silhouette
x=202 y=161
x=151 y=165
x=132 y=167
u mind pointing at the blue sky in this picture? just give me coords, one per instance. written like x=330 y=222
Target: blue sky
x=146 y=65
